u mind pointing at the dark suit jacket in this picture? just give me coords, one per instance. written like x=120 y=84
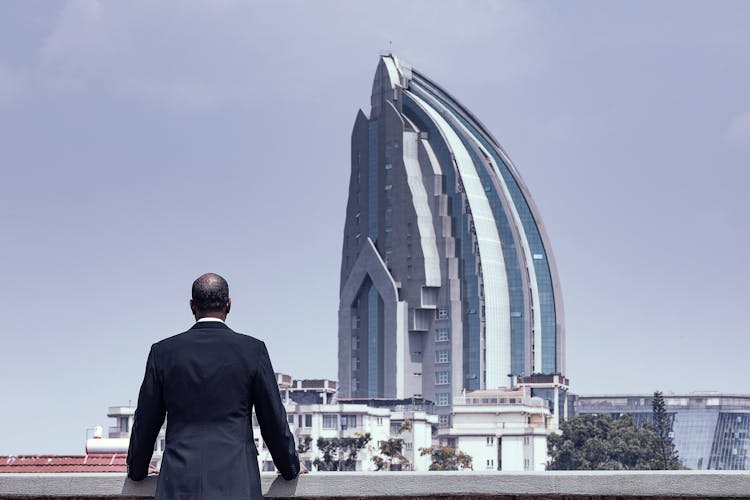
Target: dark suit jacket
x=207 y=381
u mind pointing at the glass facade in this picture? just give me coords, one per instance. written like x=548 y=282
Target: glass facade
x=709 y=432
x=462 y=235
x=510 y=256
x=731 y=444
x=372 y=181
x=531 y=230
x=373 y=334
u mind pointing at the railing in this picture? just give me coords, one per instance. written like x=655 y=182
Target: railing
x=497 y=401
x=395 y=485
x=120 y=410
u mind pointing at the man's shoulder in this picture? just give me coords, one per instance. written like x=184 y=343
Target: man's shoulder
x=238 y=337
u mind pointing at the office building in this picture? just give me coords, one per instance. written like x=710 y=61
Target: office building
x=447 y=278
x=710 y=430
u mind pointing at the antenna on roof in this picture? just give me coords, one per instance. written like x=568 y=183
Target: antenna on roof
x=389 y=52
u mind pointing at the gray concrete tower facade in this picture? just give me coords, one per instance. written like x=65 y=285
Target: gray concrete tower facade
x=447 y=278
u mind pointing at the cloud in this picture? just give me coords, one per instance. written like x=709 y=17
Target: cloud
x=200 y=54
x=738 y=131
x=185 y=55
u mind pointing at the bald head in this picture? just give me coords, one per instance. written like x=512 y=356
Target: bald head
x=210 y=297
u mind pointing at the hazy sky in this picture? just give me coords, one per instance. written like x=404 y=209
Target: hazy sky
x=144 y=143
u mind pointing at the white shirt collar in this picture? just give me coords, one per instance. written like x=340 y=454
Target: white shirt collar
x=207 y=319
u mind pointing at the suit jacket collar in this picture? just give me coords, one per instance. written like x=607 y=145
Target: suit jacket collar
x=210 y=325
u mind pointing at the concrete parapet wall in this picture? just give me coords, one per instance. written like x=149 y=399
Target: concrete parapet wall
x=465 y=485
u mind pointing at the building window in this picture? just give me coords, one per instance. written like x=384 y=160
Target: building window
x=444 y=420
x=443 y=399
x=526 y=464
x=442 y=378
x=442 y=335
x=290 y=419
x=490 y=463
x=490 y=440
x=355 y=363
x=355 y=384
x=308 y=420
x=355 y=322
x=124 y=424
x=355 y=342
x=442 y=356
x=442 y=313
x=380 y=420
x=330 y=421
x=348 y=421
x=408 y=446
x=163 y=444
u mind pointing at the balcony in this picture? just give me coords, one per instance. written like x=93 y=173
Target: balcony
x=382 y=485
x=117 y=432
x=120 y=411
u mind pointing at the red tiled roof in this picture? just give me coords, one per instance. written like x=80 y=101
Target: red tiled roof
x=99 y=462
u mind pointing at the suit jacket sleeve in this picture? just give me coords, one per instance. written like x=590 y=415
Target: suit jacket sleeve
x=149 y=417
x=272 y=418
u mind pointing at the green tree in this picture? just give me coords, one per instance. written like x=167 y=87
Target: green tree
x=304 y=445
x=447 y=458
x=392 y=450
x=662 y=429
x=340 y=453
x=597 y=442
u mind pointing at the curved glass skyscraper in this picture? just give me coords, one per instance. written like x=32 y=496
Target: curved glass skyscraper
x=447 y=278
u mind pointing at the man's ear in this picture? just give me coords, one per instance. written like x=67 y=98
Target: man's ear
x=228 y=306
x=192 y=307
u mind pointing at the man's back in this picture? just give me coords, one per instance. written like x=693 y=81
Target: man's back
x=207 y=380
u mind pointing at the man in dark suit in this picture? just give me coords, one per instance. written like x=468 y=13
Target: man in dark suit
x=207 y=381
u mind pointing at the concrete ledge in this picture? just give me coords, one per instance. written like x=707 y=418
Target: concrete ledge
x=661 y=484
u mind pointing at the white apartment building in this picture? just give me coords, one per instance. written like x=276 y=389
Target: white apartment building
x=501 y=429
x=309 y=422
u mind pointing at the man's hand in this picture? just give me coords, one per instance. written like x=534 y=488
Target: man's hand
x=303 y=469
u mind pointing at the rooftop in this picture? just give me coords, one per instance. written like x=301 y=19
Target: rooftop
x=99 y=462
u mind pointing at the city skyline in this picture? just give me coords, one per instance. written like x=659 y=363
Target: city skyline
x=134 y=136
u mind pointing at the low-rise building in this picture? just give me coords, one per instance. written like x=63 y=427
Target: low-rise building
x=501 y=429
x=310 y=422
